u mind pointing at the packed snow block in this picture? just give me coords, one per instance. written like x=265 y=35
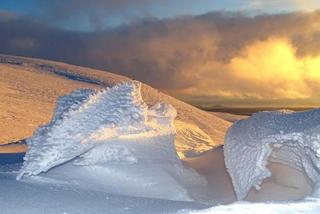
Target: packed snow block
x=86 y=118
x=286 y=137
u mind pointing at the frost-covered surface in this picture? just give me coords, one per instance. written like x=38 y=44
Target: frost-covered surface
x=111 y=141
x=191 y=140
x=81 y=120
x=290 y=138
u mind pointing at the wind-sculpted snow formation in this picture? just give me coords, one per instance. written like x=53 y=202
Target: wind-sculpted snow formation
x=289 y=138
x=86 y=118
x=110 y=141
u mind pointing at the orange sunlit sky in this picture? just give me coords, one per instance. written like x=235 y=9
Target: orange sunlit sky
x=231 y=53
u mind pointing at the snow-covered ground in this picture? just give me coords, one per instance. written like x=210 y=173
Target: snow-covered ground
x=308 y=206
x=118 y=150
x=273 y=159
x=113 y=136
x=45 y=196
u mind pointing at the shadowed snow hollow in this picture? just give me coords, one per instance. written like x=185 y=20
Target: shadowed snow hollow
x=290 y=140
x=115 y=144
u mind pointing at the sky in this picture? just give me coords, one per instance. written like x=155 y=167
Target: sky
x=206 y=52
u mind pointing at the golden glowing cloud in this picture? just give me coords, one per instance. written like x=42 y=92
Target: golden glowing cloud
x=273 y=65
x=219 y=57
x=268 y=69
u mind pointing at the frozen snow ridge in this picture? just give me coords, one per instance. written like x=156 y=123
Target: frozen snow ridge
x=290 y=138
x=102 y=126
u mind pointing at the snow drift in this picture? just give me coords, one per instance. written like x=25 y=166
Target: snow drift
x=288 y=138
x=111 y=141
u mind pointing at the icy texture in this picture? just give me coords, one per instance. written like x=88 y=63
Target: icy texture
x=85 y=119
x=191 y=140
x=284 y=137
x=151 y=141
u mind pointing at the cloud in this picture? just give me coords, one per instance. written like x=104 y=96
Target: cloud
x=268 y=69
x=219 y=56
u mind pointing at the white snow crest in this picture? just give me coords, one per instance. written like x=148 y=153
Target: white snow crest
x=86 y=118
x=284 y=137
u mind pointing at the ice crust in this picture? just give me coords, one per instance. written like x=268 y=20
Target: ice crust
x=97 y=127
x=290 y=138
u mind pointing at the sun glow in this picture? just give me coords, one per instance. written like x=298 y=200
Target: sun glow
x=274 y=64
x=267 y=69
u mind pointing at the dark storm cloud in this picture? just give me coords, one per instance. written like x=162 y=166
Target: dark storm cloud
x=208 y=55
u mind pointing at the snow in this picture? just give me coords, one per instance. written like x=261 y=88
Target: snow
x=81 y=120
x=288 y=138
x=109 y=141
x=309 y=205
x=111 y=135
x=191 y=140
x=49 y=197
x=129 y=176
x=210 y=165
x=36 y=84
x=100 y=157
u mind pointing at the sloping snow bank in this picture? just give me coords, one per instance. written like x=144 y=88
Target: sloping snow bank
x=57 y=198
x=111 y=141
x=289 y=138
x=191 y=140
